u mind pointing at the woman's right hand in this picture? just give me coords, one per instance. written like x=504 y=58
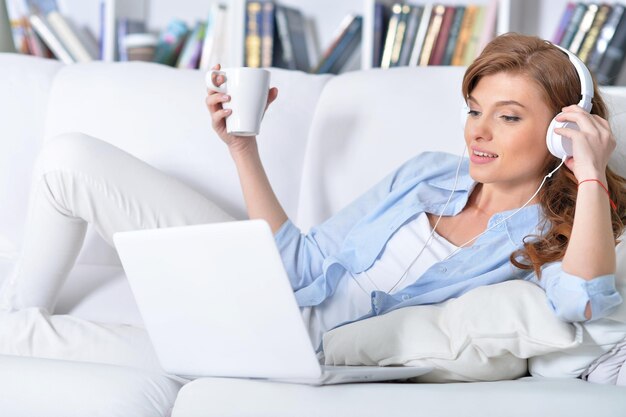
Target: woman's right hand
x=214 y=102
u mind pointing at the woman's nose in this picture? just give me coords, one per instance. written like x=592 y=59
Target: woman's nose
x=478 y=128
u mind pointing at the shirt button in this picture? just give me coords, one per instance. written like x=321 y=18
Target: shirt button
x=443 y=269
x=406 y=297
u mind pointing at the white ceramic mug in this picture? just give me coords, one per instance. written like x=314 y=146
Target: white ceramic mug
x=248 y=89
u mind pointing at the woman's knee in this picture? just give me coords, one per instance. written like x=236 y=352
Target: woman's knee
x=69 y=151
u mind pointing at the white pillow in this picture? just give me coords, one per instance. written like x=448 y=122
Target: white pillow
x=485 y=335
x=599 y=336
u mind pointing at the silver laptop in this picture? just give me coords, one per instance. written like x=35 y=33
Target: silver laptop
x=216 y=301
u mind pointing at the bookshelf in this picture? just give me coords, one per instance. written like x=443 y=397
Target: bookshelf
x=539 y=17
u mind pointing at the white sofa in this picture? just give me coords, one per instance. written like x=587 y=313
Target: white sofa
x=324 y=141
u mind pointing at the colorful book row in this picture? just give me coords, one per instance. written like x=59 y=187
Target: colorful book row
x=596 y=32
x=431 y=34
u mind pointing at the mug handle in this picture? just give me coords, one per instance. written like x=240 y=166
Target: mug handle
x=209 y=81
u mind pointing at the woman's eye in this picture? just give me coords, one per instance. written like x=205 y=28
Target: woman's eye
x=511 y=118
x=473 y=113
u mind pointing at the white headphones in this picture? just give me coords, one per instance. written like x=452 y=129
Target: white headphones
x=561 y=146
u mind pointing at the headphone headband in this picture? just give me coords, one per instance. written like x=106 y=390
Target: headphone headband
x=586 y=82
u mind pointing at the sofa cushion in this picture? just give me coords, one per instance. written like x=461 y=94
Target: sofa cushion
x=213 y=397
x=25 y=84
x=54 y=388
x=486 y=334
x=367 y=124
x=158 y=114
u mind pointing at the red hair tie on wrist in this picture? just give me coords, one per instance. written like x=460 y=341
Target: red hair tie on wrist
x=605 y=189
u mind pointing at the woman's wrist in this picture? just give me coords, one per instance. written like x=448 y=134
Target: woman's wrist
x=243 y=149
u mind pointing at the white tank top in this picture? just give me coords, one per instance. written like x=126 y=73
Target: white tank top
x=352 y=298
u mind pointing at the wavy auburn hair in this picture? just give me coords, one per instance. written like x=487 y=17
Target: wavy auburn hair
x=558 y=81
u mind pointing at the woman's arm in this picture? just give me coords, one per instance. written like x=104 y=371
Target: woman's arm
x=261 y=202
x=591 y=249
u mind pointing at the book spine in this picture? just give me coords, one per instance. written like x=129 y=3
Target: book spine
x=431 y=35
x=606 y=34
x=489 y=24
x=473 y=45
x=253 y=34
x=297 y=32
x=563 y=23
x=171 y=42
x=344 y=49
x=380 y=25
x=574 y=23
x=594 y=32
x=453 y=37
x=469 y=19
x=390 y=39
x=69 y=38
x=267 y=34
x=421 y=35
x=50 y=39
x=189 y=56
x=584 y=27
x=410 y=34
x=440 y=46
x=400 y=33
x=284 y=54
x=613 y=58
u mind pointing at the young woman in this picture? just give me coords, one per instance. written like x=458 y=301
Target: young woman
x=433 y=229
x=403 y=243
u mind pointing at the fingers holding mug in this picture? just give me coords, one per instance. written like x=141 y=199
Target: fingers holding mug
x=245 y=91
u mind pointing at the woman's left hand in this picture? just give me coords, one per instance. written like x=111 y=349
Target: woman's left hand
x=592 y=145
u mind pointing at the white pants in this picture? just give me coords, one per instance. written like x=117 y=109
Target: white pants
x=80 y=180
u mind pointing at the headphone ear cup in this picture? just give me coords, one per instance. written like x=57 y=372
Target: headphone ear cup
x=559 y=146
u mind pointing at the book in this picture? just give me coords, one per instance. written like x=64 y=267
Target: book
x=215 y=37
x=431 y=34
x=381 y=17
x=253 y=34
x=422 y=29
x=291 y=49
x=171 y=41
x=594 y=31
x=606 y=34
x=343 y=49
x=400 y=33
x=583 y=28
x=613 y=59
x=267 y=34
x=43 y=29
x=436 y=58
x=562 y=27
x=453 y=36
x=7 y=43
x=472 y=48
x=489 y=21
x=190 y=54
x=465 y=33
x=412 y=27
x=69 y=37
x=574 y=23
x=390 y=38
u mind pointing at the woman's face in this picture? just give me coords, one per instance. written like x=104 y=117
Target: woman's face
x=505 y=131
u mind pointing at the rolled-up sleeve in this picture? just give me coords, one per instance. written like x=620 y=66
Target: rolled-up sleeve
x=569 y=294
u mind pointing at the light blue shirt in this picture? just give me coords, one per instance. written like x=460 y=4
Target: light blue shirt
x=353 y=239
